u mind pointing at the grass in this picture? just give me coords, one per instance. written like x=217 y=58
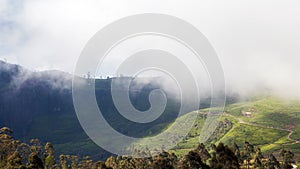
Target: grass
x=180 y=152
x=175 y=130
x=269 y=111
x=296 y=134
x=255 y=135
x=266 y=111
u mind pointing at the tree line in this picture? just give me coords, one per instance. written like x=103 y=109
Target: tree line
x=17 y=155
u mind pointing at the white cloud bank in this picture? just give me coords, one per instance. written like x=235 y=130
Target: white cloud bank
x=258 y=42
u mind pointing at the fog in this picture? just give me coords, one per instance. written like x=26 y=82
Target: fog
x=257 y=42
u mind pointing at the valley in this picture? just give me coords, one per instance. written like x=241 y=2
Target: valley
x=40 y=106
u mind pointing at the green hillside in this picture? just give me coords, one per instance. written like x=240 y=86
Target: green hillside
x=36 y=108
x=267 y=122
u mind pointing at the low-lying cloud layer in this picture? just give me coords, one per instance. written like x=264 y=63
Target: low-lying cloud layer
x=258 y=42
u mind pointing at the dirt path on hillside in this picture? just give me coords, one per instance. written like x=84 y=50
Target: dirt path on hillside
x=241 y=121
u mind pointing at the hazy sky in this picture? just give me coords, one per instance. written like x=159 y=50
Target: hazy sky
x=257 y=41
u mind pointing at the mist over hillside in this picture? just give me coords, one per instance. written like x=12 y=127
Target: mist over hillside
x=39 y=105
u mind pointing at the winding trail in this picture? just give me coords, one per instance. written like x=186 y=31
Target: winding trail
x=241 y=121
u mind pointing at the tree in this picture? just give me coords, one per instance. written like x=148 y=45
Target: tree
x=236 y=150
x=126 y=162
x=50 y=157
x=249 y=150
x=142 y=163
x=63 y=161
x=7 y=143
x=192 y=161
x=35 y=161
x=100 y=165
x=226 y=158
x=257 y=158
x=14 y=161
x=24 y=150
x=204 y=154
x=164 y=161
x=213 y=163
x=111 y=162
x=288 y=158
x=36 y=146
x=86 y=163
x=75 y=162
x=272 y=162
x=257 y=163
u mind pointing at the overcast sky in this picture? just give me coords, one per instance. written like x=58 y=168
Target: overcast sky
x=257 y=41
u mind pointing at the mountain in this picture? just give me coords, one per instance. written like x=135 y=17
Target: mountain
x=39 y=105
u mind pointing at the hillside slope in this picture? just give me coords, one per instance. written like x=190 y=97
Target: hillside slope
x=267 y=122
x=39 y=105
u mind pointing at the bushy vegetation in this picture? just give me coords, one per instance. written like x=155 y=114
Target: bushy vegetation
x=17 y=155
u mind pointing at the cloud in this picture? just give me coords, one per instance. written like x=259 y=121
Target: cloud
x=257 y=41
